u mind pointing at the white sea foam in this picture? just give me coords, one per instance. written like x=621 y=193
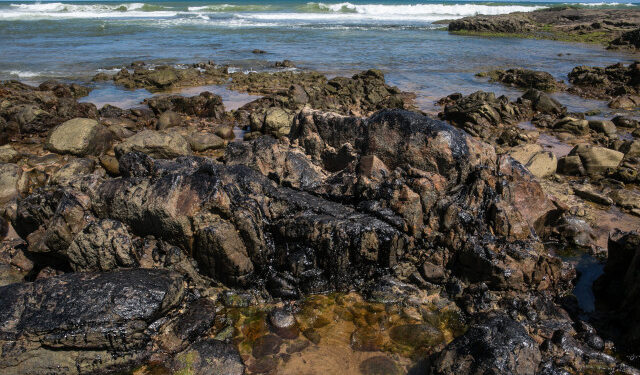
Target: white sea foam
x=64 y=10
x=313 y=11
x=24 y=74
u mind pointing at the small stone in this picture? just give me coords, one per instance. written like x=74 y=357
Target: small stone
x=379 y=365
x=297 y=346
x=263 y=365
x=416 y=335
x=571 y=166
x=168 y=119
x=266 y=345
x=366 y=340
x=205 y=141
x=312 y=335
x=110 y=164
x=283 y=323
x=225 y=132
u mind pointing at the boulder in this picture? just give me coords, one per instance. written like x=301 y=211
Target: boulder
x=496 y=345
x=168 y=119
x=523 y=153
x=625 y=122
x=572 y=125
x=628 y=102
x=79 y=136
x=277 y=121
x=597 y=159
x=205 y=141
x=9 y=182
x=571 y=165
x=8 y=154
x=79 y=323
x=542 y=164
x=603 y=126
x=157 y=144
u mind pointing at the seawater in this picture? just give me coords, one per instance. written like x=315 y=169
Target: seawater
x=74 y=40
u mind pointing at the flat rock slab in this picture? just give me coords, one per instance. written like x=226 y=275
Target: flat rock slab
x=63 y=324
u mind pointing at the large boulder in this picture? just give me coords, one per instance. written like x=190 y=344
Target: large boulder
x=82 y=323
x=79 y=136
x=157 y=144
x=597 y=159
x=496 y=345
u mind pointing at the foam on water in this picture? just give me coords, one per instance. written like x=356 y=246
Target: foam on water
x=309 y=12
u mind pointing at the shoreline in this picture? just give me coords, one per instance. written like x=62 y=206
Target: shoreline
x=612 y=28
x=345 y=218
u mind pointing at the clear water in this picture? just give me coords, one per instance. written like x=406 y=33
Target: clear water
x=74 y=40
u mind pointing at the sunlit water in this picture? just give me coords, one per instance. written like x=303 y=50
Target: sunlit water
x=75 y=40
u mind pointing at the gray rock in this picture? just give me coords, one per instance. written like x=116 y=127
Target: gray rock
x=168 y=119
x=79 y=136
x=603 y=126
x=9 y=182
x=156 y=144
x=102 y=246
x=205 y=141
x=597 y=159
x=8 y=154
x=74 y=168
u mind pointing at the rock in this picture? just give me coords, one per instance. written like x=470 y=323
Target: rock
x=576 y=231
x=104 y=245
x=628 y=102
x=8 y=154
x=525 y=78
x=110 y=164
x=628 y=199
x=168 y=119
x=156 y=144
x=617 y=290
x=543 y=102
x=524 y=153
x=284 y=64
x=416 y=335
x=75 y=167
x=209 y=357
x=379 y=365
x=571 y=165
x=631 y=149
x=625 y=122
x=263 y=365
x=597 y=159
x=266 y=345
x=629 y=39
x=258 y=51
x=283 y=323
x=80 y=136
x=83 y=322
x=366 y=340
x=373 y=168
x=602 y=126
x=205 y=105
x=497 y=345
x=433 y=273
x=542 y=164
x=197 y=320
x=9 y=182
x=572 y=125
x=225 y=132
x=277 y=122
x=205 y=141
x=586 y=192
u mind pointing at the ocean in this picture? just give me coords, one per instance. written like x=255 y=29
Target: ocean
x=74 y=40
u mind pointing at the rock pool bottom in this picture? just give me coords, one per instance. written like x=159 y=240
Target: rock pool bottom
x=331 y=334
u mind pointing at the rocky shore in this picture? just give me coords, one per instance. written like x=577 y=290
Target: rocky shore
x=613 y=28
x=344 y=231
